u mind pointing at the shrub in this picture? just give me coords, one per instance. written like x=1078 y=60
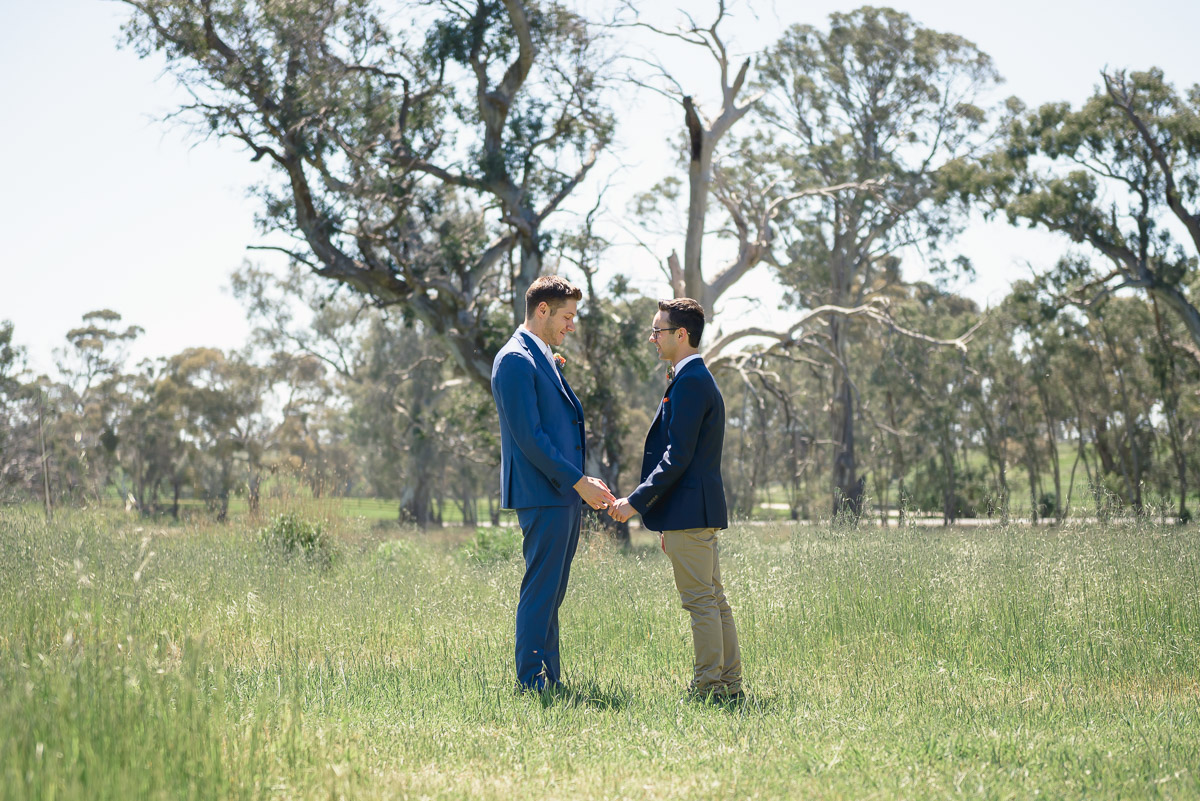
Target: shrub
x=1047 y=505
x=495 y=544
x=290 y=535
x=394 y=551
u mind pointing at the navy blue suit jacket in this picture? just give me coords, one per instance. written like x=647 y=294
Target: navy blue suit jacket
x=542 y=446
x=681 y=483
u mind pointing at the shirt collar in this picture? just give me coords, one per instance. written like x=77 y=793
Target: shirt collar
x=537 y=340
x=684 y=361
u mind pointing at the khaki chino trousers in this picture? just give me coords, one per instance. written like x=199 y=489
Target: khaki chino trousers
x=695 y=558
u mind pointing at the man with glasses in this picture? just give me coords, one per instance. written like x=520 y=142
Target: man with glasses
x=681 y=495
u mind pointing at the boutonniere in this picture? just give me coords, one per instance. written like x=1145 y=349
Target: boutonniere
x=559 y=360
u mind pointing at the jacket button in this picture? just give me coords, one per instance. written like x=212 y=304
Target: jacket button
x=578 y=447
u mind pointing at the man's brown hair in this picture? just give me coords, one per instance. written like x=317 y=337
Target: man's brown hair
x=685 y=313
x=554 y=290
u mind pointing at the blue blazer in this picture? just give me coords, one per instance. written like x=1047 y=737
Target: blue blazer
x=681 y=469
x=542 y=446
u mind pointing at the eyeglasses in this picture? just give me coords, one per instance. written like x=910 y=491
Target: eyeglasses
x=654 y=332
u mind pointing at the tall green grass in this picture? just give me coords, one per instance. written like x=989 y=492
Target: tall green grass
x=143 y=662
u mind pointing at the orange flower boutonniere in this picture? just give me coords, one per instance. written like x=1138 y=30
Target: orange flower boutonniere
x=559 y=360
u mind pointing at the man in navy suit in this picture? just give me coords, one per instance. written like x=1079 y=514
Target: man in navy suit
x=542 y=452
x=682 y=497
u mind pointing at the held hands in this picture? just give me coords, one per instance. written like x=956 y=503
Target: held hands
x=595 y=493
x=622 y=510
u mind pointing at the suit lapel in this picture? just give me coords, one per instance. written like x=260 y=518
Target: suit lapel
x=667 y=392
x=662 y=406
x=571 y=396
x=536 y=354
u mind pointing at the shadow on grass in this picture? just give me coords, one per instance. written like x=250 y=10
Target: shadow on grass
x=615 y=697
x=585 y=694
x=753 y=704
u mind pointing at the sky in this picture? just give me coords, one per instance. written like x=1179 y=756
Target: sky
x=103 y=204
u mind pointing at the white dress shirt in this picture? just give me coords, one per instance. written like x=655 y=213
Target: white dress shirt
x=549 y=354
x=684 y=361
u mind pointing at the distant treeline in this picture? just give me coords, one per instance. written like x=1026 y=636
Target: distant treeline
x=1041 y=416
x=423 y=176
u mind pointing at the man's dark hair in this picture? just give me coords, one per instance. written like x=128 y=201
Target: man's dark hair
x=685 y=313
x=554 y=290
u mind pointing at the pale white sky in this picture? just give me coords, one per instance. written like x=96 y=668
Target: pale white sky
x=102 y=205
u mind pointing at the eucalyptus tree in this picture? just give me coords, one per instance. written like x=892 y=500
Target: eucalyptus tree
x=1175 y=375
x=915 y=397
x=92 y=399
x=218 y=400
x=311 y=334
x=884 y=106
x=380 y=387
x=311 y=442
x=748 y=198
x=151 y=452
x=703 y=136
x=18 y=419
x=399 y=417
x=1120 y=176
x=482 y=115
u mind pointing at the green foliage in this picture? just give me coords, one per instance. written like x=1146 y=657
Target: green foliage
x=1118 y=175
x=395 y=552
x=1048 y=505
x=490 y=545
x=291 y=535
x=876 y=97
x=413 y=146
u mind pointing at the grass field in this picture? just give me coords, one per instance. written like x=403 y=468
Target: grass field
x=143 y=662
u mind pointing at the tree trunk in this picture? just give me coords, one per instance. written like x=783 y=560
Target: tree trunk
x=1035 y=510
x=528 y=269
x=1168 y=388
x=847 y=484
x=949 y=513
x=699 y=181
x=899 y=467
x=253 y=491
x=1133 y=478
x=1178 y=302
x=223 y=493
x=467 y=502
x=1004 y=493
x=45 y=459
x=416 y=506
x=1180 y=464
x=1052 y=444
